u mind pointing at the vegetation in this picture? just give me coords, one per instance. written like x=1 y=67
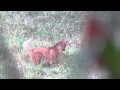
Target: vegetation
x=47 y=27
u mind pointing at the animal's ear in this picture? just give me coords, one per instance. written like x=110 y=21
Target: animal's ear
x=67 y=40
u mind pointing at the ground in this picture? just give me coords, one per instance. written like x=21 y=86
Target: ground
x=47 y=28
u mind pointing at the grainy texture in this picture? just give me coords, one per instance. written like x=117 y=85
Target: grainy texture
x=48 y=28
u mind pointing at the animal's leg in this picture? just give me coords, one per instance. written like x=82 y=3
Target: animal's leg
x=32 y=57
x=35 y=59
x=52 y=59
x=61 y=63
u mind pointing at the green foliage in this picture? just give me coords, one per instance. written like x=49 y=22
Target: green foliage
x=112 y=58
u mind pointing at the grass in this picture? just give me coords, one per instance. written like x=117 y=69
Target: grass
x=48 y=27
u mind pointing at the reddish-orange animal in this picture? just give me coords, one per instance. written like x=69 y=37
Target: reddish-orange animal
x=51 y=53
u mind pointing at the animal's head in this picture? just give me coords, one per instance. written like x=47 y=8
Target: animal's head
x=61 y=45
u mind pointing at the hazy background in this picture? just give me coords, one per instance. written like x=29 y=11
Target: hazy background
x=48 y=27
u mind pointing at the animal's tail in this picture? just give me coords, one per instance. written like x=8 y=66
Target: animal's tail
x=26 y=45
